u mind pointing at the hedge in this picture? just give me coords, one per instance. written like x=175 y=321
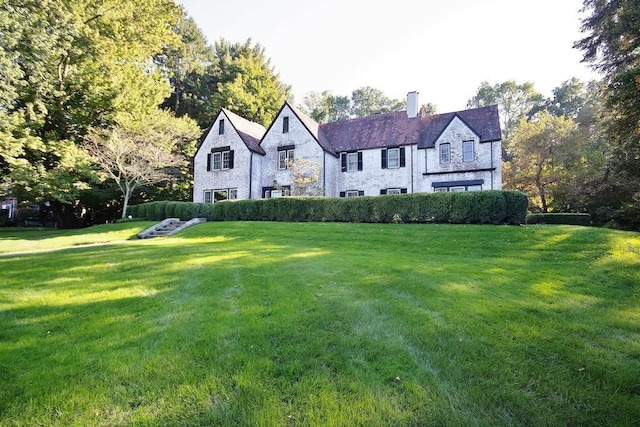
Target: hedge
x=157 y=211
x=478 y=207
x=559 y=218
x=484 y=207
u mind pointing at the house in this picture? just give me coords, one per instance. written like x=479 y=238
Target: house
x=8 y=210
x=389 y=153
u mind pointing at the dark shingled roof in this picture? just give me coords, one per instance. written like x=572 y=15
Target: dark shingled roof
x=251 y=133
x=392 y=129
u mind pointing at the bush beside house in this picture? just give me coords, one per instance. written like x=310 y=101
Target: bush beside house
x=478 y=207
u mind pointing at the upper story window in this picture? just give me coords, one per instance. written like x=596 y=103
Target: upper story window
x=286 y=156
x=285 y=124
x=351 y=161
x=220 y=159
x=393 y=158
x=221 y=127
x=445 y=153
x=467 y=151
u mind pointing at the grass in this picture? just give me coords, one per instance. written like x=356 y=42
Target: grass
x=321 y=324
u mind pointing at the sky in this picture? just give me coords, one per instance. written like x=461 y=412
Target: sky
x=444 y=49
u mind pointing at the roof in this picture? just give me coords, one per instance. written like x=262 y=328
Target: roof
x=251 y=133
x=393 y=129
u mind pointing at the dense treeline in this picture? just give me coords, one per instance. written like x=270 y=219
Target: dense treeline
x=103 y=102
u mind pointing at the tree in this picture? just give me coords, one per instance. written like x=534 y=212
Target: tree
x=248 y=85
x=540 y=150
x=138 y=154
x=70 y=66
x=514 y=101
x=326 y=107
x=190 y=68
x=368 y=100
x=612 y=45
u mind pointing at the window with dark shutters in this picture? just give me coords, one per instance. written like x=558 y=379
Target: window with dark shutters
x=285 y=124
x=221 y=127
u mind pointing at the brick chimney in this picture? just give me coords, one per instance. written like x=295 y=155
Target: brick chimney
x=412 y=105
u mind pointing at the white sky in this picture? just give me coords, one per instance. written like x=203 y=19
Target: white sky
x=443 y=49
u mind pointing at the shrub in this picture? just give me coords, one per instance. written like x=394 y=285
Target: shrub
x=482 y=207
x=559 y=218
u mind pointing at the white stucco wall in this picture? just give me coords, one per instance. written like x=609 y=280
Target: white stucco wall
x=237 y=178
x=305 y=147
x=487 y=156
x=372 y=178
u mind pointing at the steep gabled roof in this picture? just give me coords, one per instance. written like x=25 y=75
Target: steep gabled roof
x=393 y=129
x=483 y=121
x=376 y=131
x=251 y=133
x=312 y=126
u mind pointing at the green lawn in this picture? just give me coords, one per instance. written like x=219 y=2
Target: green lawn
x=294 y=324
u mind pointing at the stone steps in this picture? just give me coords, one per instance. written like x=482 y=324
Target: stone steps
x=168 y=227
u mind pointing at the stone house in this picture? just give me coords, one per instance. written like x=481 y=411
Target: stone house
x=388 y=153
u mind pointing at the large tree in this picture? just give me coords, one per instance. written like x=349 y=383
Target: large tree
x=612 y=45
x=73 y=65
x=515 y=100
x=247 y=83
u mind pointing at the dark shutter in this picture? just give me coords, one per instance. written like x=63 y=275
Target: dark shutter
x=403 y=191
x=221 y=127
x=344 y=162
x=402 y=158
x=285 y=124
x=384 y=159
x=361 y=193
x=383 y=192
x=231 y=159
x=359 y=160
x=343 y=194
x=208 y=162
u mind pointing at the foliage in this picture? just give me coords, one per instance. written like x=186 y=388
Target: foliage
x=325 y=107
x=68 y=66
x=140 y=153
x=483 y=207
x=559 y=218
x=248 y=85
x=540 y=151
x=612 y=45
x=514 y=101
x=158 y=211
x=320 y=324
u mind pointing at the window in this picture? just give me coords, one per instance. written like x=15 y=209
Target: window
x=219 y=195
x=207 y=196
x=445 y=153
x=467 y=151
x=220 y=158
x=457 y=189
x=226 y=160
x=233 y=193
x=393 y=191
x=351 y=161
x=217 y=161
x=285 y=124
x=221 y=127
x=441 y=189
x=285 y=158
x=474 y=188
x=352 y=193
x=393 y=158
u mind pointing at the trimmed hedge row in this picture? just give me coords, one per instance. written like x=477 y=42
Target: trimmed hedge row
x=559 y=218
x=478 y=207
x=157 y=211
x=482 y=207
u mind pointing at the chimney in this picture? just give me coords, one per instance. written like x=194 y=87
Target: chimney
x=412 y=105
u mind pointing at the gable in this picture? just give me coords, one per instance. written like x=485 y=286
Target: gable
x=483 y=122
x=250 y=133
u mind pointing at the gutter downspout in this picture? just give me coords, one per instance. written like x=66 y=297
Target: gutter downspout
x=412 y=169
x=250 y=171
x=324 y=173
x=492 y=165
